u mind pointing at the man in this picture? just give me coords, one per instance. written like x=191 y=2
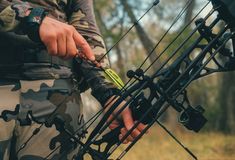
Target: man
x=39 y=83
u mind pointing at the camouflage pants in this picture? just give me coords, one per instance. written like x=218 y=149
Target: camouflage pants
x=25 y=105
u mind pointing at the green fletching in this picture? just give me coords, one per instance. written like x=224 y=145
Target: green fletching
x=112 y=75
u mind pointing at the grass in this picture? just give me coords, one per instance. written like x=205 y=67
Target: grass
x=157 y=145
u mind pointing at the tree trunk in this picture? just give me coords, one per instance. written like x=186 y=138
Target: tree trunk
x=100 y=22
x=107 y=33
x=189 y=12
x=144 y=38
x=226 y=118
x=103 y=28
x=121 y=64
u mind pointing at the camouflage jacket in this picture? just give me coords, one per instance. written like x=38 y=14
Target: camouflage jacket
x=23 y=59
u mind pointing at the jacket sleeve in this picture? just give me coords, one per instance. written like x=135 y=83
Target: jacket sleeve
x=11 y=13
x=83 y=19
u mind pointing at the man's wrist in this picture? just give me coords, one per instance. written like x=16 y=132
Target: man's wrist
x=103 y=99
x=32 y=22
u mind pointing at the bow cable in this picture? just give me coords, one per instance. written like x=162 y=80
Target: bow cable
x=136 y=23
x=177 y=17
x=140 y=89
x=155 y=118
x=204 y=51
x=179 y=34
x=179 y=92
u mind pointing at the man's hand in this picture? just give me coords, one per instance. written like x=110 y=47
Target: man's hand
x=63 y=40
x=126 y=117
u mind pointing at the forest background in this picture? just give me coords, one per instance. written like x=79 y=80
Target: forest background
x=216 y=92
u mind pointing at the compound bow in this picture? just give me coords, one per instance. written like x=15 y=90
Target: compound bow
x=149 y=96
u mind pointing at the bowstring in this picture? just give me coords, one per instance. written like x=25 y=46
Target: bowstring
x=179 y=92
x=136 y=125
x=176 y=19
x=180 y=33
x=123 y=88
x=149 y=125
x=181 y=12
x=122 y=37
x=136 y=23
x=174 y=22
x=140 y=90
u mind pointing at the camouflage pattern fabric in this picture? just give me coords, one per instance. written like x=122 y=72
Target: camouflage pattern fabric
x=26 y=60
x=39 y=99
x=78 y=13
x=41 y=82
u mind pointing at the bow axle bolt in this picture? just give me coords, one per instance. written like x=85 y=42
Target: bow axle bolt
x=138 y=74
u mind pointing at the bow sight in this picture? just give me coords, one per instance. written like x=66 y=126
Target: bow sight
x=198 y=55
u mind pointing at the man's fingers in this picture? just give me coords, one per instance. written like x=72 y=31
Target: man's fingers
x=124 y=132
x=129 y=122
x=61 y=46
x=114 y=124
x=82 y=43
x=125 y=141
x=127 y=118
x=52 y=47
x=140 y=126
x=52 y=30
x=71 y=47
